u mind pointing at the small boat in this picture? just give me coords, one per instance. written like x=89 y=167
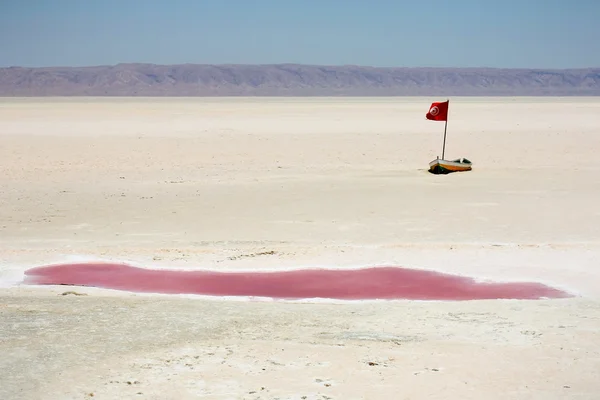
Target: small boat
x=439 y=166
x=438 y=111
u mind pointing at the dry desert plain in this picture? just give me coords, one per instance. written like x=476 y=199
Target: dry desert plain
x=282 y=183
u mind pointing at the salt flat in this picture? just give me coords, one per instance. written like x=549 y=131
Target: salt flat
x=279 y=183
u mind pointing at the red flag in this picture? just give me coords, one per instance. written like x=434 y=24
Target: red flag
x=438 y=111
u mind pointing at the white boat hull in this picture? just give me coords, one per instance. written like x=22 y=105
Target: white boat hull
x=440 y=166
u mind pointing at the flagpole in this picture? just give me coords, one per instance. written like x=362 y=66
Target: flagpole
x=445 y=127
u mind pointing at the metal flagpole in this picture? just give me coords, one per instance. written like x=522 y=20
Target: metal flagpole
x=445 y=127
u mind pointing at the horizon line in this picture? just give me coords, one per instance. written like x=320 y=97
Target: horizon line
x=299 y=64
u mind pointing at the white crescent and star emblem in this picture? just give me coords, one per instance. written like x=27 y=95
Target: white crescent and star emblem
x=434 y=111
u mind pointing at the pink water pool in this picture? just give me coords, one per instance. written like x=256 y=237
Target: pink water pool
x=357 y=284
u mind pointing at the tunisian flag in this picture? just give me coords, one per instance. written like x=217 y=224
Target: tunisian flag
x=438 y=111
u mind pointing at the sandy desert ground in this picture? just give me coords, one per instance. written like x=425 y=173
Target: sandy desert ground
x=279 y=183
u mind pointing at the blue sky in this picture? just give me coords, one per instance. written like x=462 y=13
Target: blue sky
x=453 y=33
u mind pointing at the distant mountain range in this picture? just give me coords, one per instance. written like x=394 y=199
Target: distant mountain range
x=294 y=80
